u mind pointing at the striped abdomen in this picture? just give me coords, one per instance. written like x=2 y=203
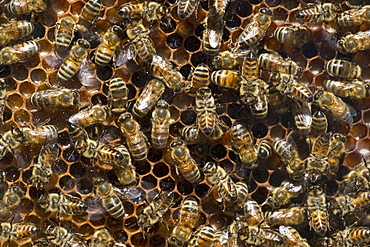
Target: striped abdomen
x=137 y=145
x=90 y=13
x=186 y=7
x=64 y=32
x=250 y=68
x=114 y=206
x=68 y=69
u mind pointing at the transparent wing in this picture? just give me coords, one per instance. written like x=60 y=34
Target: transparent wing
x=86 y=74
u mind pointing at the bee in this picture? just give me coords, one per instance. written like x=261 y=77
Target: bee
x=319 y=125
x=41 y=135
x=155 y=210
x=67 y=204
x=281 y=196
x=148 y=10
x=292 y=35
x=292 y=238
x=346 y=204
x=189 y=214
x=255 y=30
x=63 y=97
x=352 y=43
x=287 y=84
x=117 y=94
x=254 y=94
x=12 y=197
x=187 y=166
x=230 y=60
x=253 y=213
x=77 y=133
x=72 y=64
x=316 y=209
x=162 y=69
x=354 y=89
x=212 y=35
x=337 y=147
x=200 y=78
x=144 y=48
x=226 y=78
x=90 y=115
x=191 y=135
x=319 y=12
x=340 y=110
x=61 y=237
x=221 y=238
x=354 y=17
x=10 y=141
x=303 y=118
x=15 y=30
x=136 y=141
x=18 y=231
x=64 y=32
x=19 y=53
x=232 y=208
x=160 y=124
x=125 y=173
x=275 y=63
x=185 y=8
x=343 y=69
x=89 y=13
x=351 y=236
x=250 y=68
x=105 y=51
x=359 y=178
x=148 y=98
x=41 y=170
x=101 y=238
x=203 y=237
x=217 y=176
x=286 y=216
x=21 y=7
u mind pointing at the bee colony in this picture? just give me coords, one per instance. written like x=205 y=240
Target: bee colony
x=184 y=123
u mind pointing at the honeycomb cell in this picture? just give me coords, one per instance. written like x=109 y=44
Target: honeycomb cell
x=184 y=187
x=358 y=131
x=290 y=4
x=84 y=186
x=277 y=132
x=4 y=71
x=310 y=50
x=142 y=168
x=20 y=72
x=25 y=206
x=201 y=190
x=104 y=73
x=273 y=3
x=235 y=111
x=280 y=14
x=232 y=21
x=131 y=224
x=168 y=25
x=200 y=150
x=363 y=147
x=60 y=7
x=174 y=41
x=66 y=182
x=139 y=78
x=97 y=219
x=139 y=239
x=192 y=44
x=77 y=170
x=331 y=188
x=12 y=174
x=198 y=58
x=217 y=220
x=355 y=157
x=243 y=9
x=259 y=130
x=59 y=167
x=38 y=76
x=15 y=101
x=21 y=116
x=180 y=56
x=218 y=151
x=157 y=241
x=160 y=170
x=149 y=182
x=86 y=230
x=70 y=154
x=120 y=236
x=260 y=174
x=114 y=223
x=260 y=195
x=38 y=31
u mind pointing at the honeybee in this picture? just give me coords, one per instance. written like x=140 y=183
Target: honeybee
x=319 y=125
x=200 y=78
x=160 y=124
x=253 y=214
x=125 y=173
x=117 y=94
x=77 y=133
x=55 y=98
x=292 y=35
x=359 y=178
x=229 y=60
x=217 y=177
x=351 y=236
x=340 y=110
x=101 y=238
x=316 y=209
x=287 y=84
x=281 y=196
x=18 y=53
x=90 y=115
x=136 y=141
x=149 y=11
x=15 y=30
x=89 y=13
x=292 y=238
x=348 y=89
x=250 y=68
x=319 y=12
x=187 y=166
x=214 y=24
x=154 y=211
x=185 y=8
x=203 y=237
x=148 y=97
x=343 y=69
x=303 y=118
x=17 y=231
x=286 y=216
x=226 y=78
x=61 y=237
x=275 y=63
x=337 y=148
x=72 y=64
x=255 y=30
x=143 y=45
x=233 y=208
x=189 y=214
x=60 y=203
x=355 y=42
x=221 y=238
x=162 y=69
x=254 y=94
x=64 y=32
x=106 y=50
x=41 y=135
x=41 y=170
x=10 y=141
x=354 y=17
x=346 y=204
x=21 y=7
x=12 y=197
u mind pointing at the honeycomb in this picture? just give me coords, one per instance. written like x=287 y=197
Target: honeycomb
x=180 y=41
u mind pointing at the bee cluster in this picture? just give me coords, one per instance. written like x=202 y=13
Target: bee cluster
x=184 y=123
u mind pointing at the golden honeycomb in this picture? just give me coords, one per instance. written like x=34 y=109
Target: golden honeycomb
x=180 y=41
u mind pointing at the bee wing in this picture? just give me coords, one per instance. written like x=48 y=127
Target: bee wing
x=214 y=38
x=94 y=205
x=86 y=74
x=124 y=53
x=55 y=59
x=353 y=113
x=131 y=193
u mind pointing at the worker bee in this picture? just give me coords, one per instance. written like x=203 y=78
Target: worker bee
x=292 y=238
x=149 y=11
x=144 y=47
x=217 y=177
x=221 y=238
x=90 y=115
x=125 y=173
x=61 y=237
x=185 y=8
x=41 y=135
x=136 y=141
x=200 y=78
x=302 y=118
x=230 y=60
x=319 y=125
x=15 y=30
x=348 y=89
x=18 y=53
x=21 y=7
x=351 y=236
x=72 y=64
x=232 y=208
x=160 y=124
x=281 y=196
x=203 y=237
x=226 y=78
x=343 y=69
x=214 y=24
x=355 y=42
x=354 y=17
x=254 y=94
x=316 y=209
x=13 y=196
x=64 y=32
x=148 y=97
x=67 y=204
x=189 y=214
x=17 y=231
x=319 y=12
x=275 y=63
x=250 y=68
x=337 y=148
x=359 y=178
x=255 y=30
x=10 y=141
x=346 y=204
x=55 y=98
x=89 y=13
x=253 y=213
x=286 y=216
x=340 y=110
x=101 y=238
x=106 y=50
x=41 y=170
x=155 y=210
x=187 y=166
x=292 y=35
x=77 y=133
x=162 y=69
x=117 y=94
